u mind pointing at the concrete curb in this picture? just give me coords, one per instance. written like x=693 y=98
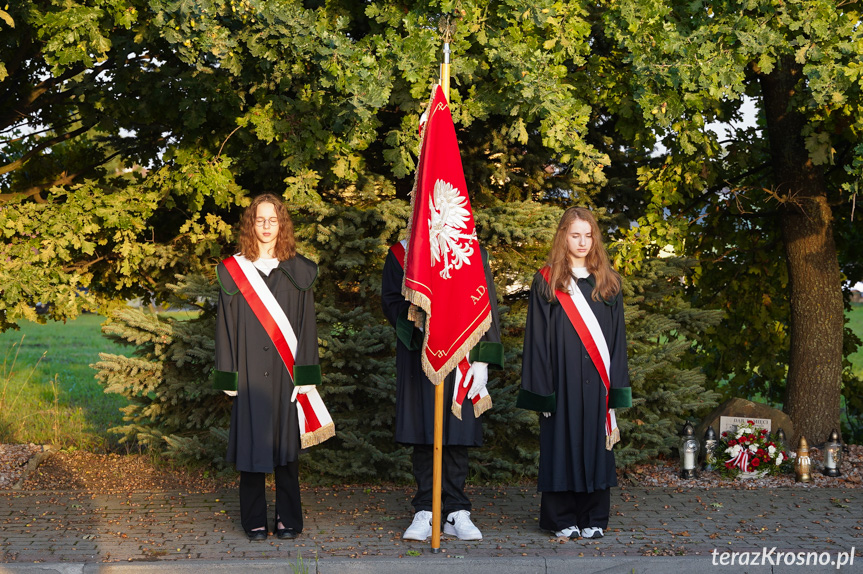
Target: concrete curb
x=422 y=565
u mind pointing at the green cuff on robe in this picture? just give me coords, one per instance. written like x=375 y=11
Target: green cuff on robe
x=534 y=402
x=408 y=334
x=225 y=381
x=487 y=352
x=620 y=398
x=307 y=375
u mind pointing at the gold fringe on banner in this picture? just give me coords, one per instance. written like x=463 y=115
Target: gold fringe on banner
x=456 y=410
x=612 y=439
x=481 y=406
x=318 y=436
x=437 y=377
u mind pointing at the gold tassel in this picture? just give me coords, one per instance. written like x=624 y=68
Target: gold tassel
x=481 y=406
x=456 y=410
x=612 y=439
x=318 y=436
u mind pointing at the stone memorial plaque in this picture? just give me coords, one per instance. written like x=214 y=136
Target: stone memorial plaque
x=730 y=424
x=735 y=411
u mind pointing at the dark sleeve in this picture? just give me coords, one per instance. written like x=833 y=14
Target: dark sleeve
x=537 y=385
x=307 y=363
x=489 y=349
x=621 y=393
x=225 y=377
x=395 y=306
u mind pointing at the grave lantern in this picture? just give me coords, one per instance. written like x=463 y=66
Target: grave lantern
x=782 y=440
x=710 y=449
x=688 y=452
x=802 y=465
x=833 y=455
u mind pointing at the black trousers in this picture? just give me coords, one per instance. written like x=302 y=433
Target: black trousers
x=454 y=475
x=559 y=510
x=253 y=498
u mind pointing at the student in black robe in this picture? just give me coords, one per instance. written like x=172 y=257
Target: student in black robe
x=415 y=398
x=559 y=380
x=264 y=436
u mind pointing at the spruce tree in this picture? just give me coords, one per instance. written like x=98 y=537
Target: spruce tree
x=172 y=408
x=662 y=331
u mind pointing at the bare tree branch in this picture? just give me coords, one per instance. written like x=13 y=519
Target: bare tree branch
x=47 y=143
x=65 y=179
x=719 y=187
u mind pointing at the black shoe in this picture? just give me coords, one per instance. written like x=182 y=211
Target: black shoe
x=257 y=534
x=286 y=533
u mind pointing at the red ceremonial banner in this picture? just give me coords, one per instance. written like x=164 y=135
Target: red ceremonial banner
x=443 y=267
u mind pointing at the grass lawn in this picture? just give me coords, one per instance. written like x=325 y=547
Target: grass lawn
x=855 y=322
x=48 y=393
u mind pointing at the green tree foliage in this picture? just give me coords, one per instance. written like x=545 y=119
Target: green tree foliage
x=108 y=157
x=165 y=115
x=760 y=208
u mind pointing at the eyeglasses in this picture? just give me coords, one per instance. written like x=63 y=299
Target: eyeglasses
x=260 y=222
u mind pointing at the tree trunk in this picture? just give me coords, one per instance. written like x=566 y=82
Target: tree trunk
x=814 y=381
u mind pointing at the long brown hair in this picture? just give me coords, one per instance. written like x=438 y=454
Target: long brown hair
x=607 y=279
x=286 y=245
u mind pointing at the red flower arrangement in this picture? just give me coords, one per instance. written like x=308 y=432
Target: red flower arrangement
x=751 y=450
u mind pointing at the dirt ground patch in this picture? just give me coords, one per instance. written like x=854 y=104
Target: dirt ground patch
x=13 y=461
x=112 y=473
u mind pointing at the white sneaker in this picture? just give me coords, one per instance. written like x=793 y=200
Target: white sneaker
x=420 y=528
x=591 y=532
x=458 y=524
x=570 y=532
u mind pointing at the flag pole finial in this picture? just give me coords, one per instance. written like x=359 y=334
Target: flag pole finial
x=446 y=25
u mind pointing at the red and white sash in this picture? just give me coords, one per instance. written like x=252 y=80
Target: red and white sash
x=586 y=325
x=316 y=424
x=482 y=401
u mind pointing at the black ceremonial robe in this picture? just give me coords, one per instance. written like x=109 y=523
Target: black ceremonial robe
x=414 y=391
x=558 y=376
x=264 y=427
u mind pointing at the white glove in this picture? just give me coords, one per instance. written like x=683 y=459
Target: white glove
x=301 y=390
x=231 y=393
x=477 y=378
x=546 y=414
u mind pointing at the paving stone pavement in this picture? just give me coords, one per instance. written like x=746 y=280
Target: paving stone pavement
x=346 y=525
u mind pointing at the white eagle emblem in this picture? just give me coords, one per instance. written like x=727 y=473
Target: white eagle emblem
x=447 y=225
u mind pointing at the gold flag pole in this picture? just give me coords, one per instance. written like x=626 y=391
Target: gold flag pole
x=447 y=27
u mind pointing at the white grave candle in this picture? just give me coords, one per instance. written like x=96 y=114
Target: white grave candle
x=829 y=461
x=689 y=459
